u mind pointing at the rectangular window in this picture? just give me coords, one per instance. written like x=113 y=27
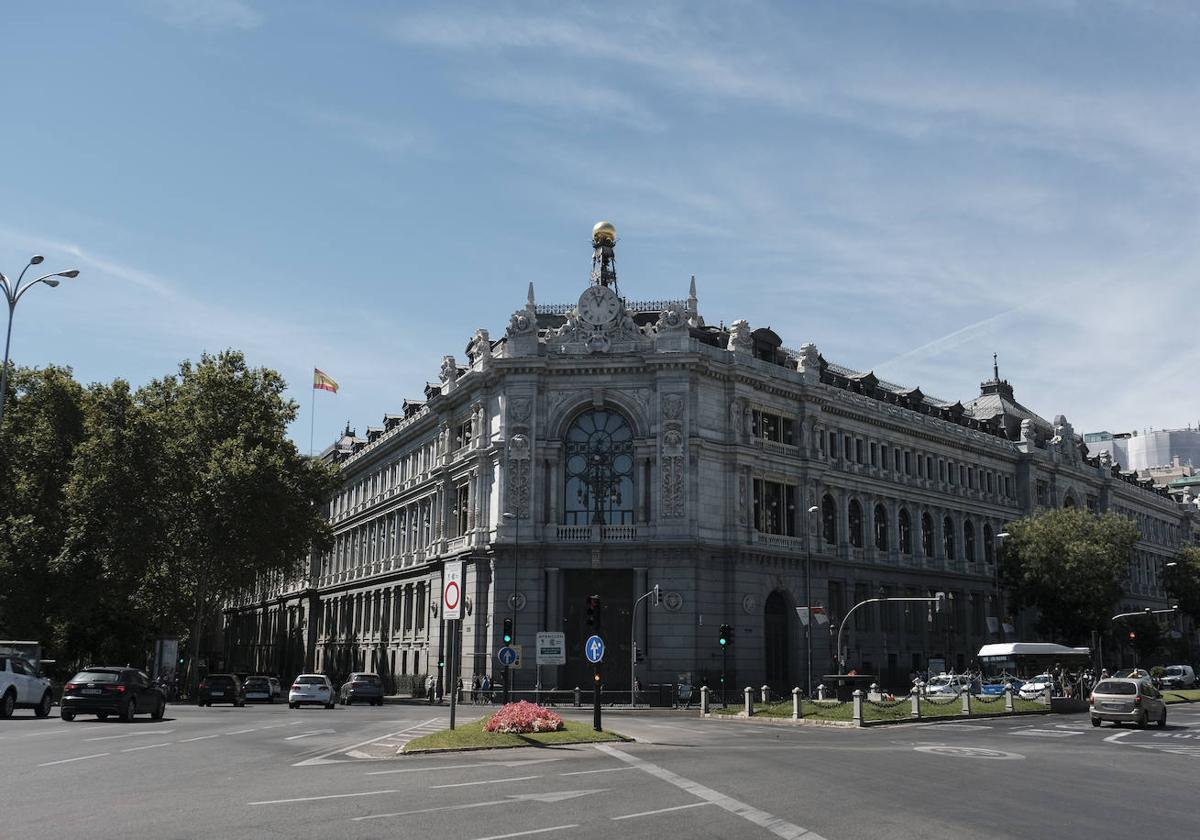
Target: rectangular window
x=971 y=477
x=952 y=472
x=928 y=467
x=920 y=467
x=989 y=481
x=941 y=470
x=461 y=505
x=896 y=459
x=774 y=508
x=907 y=462
x=462 y=437
x=833 y=450
x=1008 y=486
x=883 y=453
x=874 y=454
x=847 y=447
x=858 y=450
x=1043 y=493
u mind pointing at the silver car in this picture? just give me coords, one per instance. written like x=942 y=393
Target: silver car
x=1133 y=700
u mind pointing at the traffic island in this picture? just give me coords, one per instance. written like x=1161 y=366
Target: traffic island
x=473 y=736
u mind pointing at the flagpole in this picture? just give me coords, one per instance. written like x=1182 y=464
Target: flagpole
x=312 y=418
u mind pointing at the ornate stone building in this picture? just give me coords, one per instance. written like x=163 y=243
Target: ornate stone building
x=603 y=447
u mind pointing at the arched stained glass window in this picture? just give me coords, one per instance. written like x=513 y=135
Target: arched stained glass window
x=905 y=532
x=881 y=528
x=599 y=470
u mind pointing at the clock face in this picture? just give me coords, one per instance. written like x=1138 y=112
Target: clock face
x=598 y=306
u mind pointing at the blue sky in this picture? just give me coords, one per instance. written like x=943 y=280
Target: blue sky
x=358 y=186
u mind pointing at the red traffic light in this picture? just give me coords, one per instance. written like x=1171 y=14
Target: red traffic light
x=1132 y=634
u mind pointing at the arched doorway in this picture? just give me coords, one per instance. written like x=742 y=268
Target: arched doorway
x=775 y=643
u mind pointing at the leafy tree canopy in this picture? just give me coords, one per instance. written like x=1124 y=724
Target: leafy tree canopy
x=1071 y=565
x=1182 y=581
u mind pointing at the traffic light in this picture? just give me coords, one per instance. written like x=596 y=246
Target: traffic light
x=593 y=610
x=638 y=654
x=656 y=598
x=941 y=601
x=1132 y=635
x=508 y=634
x=726 y=637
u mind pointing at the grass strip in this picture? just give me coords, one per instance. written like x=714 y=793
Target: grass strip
x=1171 y=695
x=471 y=736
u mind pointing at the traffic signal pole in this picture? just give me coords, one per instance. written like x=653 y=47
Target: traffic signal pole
x=633 y=648
x=939 y=599
x=596 y=700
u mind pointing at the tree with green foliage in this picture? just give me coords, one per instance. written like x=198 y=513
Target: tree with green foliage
x=43 y=425
x=1071 y=565
x=237 y=501
x=1182 y=581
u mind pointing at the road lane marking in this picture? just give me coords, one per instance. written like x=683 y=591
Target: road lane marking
x=308 y=734
x=429 y=768
x=77 y=758
x=485 y=782
x=606 y=770
x=431 y=810
x=323 y=758
x=662 y=811
x=527 y=833
x=1112 y=739
x=201 y=738
x=242 y=731
x=327 y=796
x=773 y=824
x=132 y=735
x=147 y=747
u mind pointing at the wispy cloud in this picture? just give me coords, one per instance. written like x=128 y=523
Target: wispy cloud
x=562 y=95
x=205 y=14
x=379 y=136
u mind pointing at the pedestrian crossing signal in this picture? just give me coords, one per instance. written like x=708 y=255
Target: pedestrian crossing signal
x=593 y=610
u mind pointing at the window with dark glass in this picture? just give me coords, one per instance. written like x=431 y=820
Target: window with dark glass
x=833 y=448
x=969 y=541
x=904 y=525
x=772 y=427
x=948 y=537
x=927 y=535
x=829 y=520
x=858 y=450
x=989 y=545
x=881 y=528
x=774 y=508
x=599 y=470
x=856 y=524
x=462 y=501
x=874 y=454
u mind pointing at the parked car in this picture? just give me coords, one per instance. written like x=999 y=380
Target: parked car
x=1132 y=674
x=1120 y=700
x=310 y=689
x=362 y=686
x=1035 y=687
x=220 y=688
x=1178 y=676
x=276 y=688
x=21 y=687
x=258 y=688
x=104 y=691
x=949 y=685
x=994 y=687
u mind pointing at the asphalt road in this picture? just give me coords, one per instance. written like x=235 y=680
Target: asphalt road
x=267 y=771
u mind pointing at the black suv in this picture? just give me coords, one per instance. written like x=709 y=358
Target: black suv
x=221 y=688
x=124 y=692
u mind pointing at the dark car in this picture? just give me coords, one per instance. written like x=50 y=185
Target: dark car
x=362 y=686
x=124 y=692
x=259 y=688
x=221 y=688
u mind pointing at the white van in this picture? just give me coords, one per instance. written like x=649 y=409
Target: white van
x=1178 y=676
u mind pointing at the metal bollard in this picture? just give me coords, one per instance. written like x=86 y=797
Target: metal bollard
x=578 y=701
x=1008 y=697
x=703 y=700
x=766 y=694
x=915 y=697
x=749 y=693
x=966 y=698
x=821 y=691
x=858 y=698
x=797 y=704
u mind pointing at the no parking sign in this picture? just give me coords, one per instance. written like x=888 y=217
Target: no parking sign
x=452 y=593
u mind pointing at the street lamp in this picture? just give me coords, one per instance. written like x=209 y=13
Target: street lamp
x=13 y=292
x=1000 y=538
x=808 y=603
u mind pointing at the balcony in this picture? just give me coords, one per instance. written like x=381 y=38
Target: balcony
x=795 y=544
x=595 y=533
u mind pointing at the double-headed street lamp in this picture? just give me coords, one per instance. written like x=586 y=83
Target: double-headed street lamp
x=13 y=292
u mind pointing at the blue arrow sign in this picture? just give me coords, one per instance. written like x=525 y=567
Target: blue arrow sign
x=594 y=648
x=507 y=656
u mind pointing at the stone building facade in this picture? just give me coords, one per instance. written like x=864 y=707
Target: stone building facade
x=608 y=446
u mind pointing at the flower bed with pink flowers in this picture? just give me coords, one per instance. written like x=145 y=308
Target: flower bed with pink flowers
x=523 y=717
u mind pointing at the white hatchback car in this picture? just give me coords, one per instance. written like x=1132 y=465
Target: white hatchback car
x=313 y=689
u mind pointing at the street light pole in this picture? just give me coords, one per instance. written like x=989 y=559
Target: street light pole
x=1000 y=538
x=13 y=292
x=512 y=599
x=808 y=602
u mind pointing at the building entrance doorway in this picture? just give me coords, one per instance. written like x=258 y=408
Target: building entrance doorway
x=775 y=643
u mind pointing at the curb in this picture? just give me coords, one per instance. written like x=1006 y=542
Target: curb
x=614 y=739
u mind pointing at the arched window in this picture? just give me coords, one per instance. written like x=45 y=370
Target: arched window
x=969 y=540
x=599 y=470
x=1069 y=502
x=881 y=528
x=829 y=520
x=905 y=527
x=856 y=524
x=989 y=545
x=926 y=535
x=948 y=537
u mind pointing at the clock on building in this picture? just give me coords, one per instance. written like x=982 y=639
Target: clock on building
x=598 y=306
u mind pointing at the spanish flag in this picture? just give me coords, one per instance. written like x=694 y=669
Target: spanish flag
x=323 y=381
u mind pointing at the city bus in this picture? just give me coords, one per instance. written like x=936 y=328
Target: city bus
x=1027 y=660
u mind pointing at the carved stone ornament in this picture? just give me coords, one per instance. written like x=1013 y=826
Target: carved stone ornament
x=741 y=498
x=1027 y=433
x=449 y=372
x=672 y=319
x=739 y=337
x=481 y=345
x=750 y=604
x=518 y=476
x=522 y=323
x=809 y=358
x=519 y=409
x=597 y=325
x=1105 y=458
x=673 y=601
x=517 y=601
x=672 y=406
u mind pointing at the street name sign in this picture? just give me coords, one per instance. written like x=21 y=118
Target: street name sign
x=452 y=591
x=593 y=648
x=551 y=648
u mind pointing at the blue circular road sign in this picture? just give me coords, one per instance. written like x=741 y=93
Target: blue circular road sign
x=594 y=649
x=507 y=656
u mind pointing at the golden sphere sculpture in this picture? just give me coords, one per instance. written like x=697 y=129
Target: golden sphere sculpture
x=604 y=233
